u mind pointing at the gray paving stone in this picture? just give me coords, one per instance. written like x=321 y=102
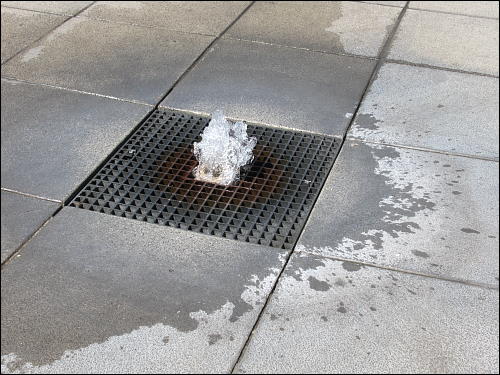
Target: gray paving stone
x=472 y=8
x=207 y=17
x=341 y=26
x=124 y=61
x=53 y=139
x=331 y=317
x=275 y=85
x=447 y=40
x=429 y=108
x=413 y=210
x=94 y=293
x=388 y=3
x=20 y=28
x=21 y=217
x=60 y=7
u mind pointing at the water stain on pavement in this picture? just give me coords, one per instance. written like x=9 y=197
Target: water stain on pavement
x=122 y=290
x=318 y=285
x=469 y=230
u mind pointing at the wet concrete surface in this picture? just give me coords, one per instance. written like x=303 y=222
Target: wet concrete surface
x=397 y=268
x=425 y=212
x=119 y=286
x=369 y=320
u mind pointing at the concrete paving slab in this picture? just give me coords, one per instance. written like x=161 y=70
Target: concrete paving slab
x=206 y=17
x=447 y=40
x=340 y=26
x=400 y=4
x=53 y=139
x=21 y=217
x=61 y=7
x=471 y=8
x=123 y=61
x=429 y=108
x=20 y=28
x=330 y=317
x=96 y=293
x=419 y=211
x=274 y=85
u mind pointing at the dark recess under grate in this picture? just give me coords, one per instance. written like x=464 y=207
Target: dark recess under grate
x=149 y=178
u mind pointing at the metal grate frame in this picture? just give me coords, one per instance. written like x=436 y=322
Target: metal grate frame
x=149 y=178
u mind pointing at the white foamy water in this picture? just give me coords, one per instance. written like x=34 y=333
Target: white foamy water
x=224 y=148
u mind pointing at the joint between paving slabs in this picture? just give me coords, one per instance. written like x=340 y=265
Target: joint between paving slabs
x=453 y=14
x=146 y=26
x=203 y=54
x=18 y=250
x=435 y=67
x=133 y=101
x=424 y=149
x=336 y=53
x=380 y=61
x=383 y=5
x=37 y=11
x=257 y=320
x=52 y=13
x=258 y=123
x=408 y=272
x=83 y=9
x=49 y=31
x=31 y=195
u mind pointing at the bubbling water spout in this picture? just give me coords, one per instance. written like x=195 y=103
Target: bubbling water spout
x=224 y=148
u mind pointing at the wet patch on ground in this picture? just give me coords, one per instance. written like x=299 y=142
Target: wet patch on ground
x=400 y=208
x=123 y=283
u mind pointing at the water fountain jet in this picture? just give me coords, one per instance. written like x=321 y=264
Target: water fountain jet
x=224 y=148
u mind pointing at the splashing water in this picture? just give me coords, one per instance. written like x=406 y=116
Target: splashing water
x=224 y=148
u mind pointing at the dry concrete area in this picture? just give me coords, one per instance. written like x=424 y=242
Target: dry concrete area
x=396 y=269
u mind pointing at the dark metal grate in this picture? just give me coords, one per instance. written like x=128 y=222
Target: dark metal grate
x=150 y=179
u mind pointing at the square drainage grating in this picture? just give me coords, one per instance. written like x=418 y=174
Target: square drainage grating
x=149 y=178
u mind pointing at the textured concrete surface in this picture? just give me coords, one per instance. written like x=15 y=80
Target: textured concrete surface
x=471 y=8
x=413 y=210
x=124 y=61
x=397 y=269
x=434 y=109
x=329 y=317
x=21 y=217
x=117 y=295
x=21 y=27
x=206 y=17
x=59 y=7
x=447 y=40
x=341 y=27
x=280 y=86
x=53 y=139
